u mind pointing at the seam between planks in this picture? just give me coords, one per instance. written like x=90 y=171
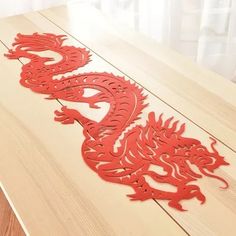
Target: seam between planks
x=163 y=101
x=172 y=218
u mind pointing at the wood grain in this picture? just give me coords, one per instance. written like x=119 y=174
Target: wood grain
x=61 y=196
x=197 y=93
x=9 y=224
x=66 y=197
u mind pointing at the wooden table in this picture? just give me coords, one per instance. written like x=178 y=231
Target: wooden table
x=41 y=168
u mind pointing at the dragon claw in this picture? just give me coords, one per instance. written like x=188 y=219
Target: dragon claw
x=176 y=205
x=137 y=197
x=201 y=198
x=69 y=116
x=11 y=54
x=65 y=115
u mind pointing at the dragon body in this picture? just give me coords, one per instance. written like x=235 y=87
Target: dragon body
x=142 y=147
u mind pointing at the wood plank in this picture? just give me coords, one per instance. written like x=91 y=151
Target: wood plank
x=9 y=224
x=198 y=221
x=61 y=195
x=192 y=90
x=199 y=227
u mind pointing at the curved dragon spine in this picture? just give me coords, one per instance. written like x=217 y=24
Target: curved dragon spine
x=158 y=143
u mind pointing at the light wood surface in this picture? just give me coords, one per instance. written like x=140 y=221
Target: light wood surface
x=41 y=167
x=195 y=92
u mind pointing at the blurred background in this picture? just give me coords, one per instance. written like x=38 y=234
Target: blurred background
x=202 y=30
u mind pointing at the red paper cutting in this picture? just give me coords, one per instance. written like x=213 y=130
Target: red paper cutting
x=158 y=143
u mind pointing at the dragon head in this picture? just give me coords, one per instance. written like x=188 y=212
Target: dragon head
x=182 y=150
x=207 y=161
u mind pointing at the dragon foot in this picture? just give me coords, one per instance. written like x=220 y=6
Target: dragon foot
x=15 y=55
x=184 y=192
x=200 y=197
x=176 y=205
x=69 y=116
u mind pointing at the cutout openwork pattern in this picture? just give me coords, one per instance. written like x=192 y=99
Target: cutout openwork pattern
x=158 y=143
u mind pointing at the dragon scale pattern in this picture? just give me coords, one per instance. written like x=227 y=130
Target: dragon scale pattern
x=158 y=143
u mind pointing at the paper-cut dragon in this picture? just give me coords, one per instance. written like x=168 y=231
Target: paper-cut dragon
x=158 y=143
